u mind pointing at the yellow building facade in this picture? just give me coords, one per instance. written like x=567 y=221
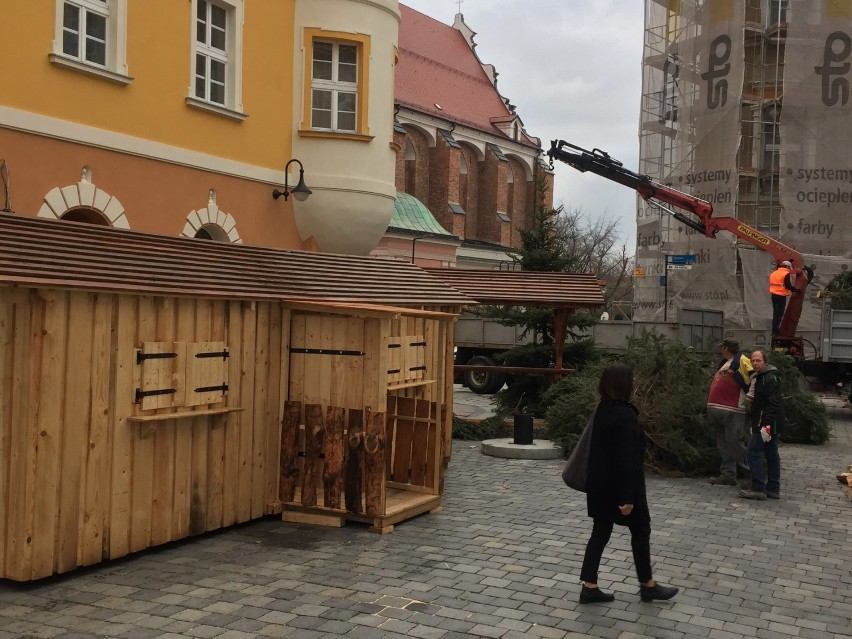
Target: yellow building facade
x=179 y=117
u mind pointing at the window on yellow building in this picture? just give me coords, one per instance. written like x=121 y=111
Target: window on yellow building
x=336 y=83
x=90 y=37
x=217 y=55
x=334 y=87
x=211 y=53
x=84 y=28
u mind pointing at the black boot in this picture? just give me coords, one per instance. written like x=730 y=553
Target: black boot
x=649 y=593
x=595 y=595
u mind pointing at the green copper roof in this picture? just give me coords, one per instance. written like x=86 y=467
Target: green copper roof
x=411 y=214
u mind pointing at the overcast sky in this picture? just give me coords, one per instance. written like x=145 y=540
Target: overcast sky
x=573 y=70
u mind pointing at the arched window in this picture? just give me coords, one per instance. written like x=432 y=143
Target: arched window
x=85 y=214
x=510 y=190
x=84 y=202
x=212 y=232
x=463 y=176
x=210 y=223
x=410 y=168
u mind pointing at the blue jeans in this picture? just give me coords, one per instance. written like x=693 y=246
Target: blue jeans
x=769 y=478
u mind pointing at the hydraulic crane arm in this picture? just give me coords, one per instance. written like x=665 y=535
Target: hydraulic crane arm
x=599 y=162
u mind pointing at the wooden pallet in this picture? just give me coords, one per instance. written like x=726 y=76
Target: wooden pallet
x=401 y=505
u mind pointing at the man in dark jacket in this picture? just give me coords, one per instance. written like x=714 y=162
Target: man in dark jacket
x=767 y=420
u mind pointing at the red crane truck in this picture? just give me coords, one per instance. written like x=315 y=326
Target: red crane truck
x=702 y=220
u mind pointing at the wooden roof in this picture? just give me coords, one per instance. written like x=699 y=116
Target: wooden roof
x=46 y=253
x=525 y=288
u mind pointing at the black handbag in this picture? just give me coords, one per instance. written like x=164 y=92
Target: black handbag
x=574 y=473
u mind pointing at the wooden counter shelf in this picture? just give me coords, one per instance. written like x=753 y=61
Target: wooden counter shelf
x=160 y=417
x=419 y=382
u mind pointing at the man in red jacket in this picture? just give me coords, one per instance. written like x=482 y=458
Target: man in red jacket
x=726 y=411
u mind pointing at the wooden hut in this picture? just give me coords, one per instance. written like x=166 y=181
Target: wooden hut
x=153 y=388
x=563 y=292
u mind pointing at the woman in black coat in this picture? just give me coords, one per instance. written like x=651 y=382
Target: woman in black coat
x=615 y=486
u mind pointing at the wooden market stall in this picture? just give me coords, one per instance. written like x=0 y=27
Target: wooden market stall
x=154 y=388
x=561 y=291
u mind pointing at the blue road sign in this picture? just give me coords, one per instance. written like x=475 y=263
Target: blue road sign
x=662 y=280
x=681 y=259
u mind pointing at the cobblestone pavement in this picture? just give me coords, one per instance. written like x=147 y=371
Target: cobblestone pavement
x=500 y=560
x=469 y=405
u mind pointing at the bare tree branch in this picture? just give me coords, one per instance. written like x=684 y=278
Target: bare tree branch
x=593 y=247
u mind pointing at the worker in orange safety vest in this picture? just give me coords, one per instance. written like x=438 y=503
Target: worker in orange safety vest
x=780 y=288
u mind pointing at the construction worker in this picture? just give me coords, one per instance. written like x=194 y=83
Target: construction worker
x=780 y=288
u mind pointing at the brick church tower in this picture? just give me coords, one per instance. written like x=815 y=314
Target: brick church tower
x=463 y=152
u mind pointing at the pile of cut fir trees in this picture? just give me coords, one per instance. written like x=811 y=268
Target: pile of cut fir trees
x=672 y=381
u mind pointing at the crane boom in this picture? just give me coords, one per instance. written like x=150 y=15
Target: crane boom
x=600 y=163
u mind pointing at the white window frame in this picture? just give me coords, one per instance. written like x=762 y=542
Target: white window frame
x=115 y=67
x=233 y=58
x=771 y=142
x=766 y=147
x=335 y=86
x=776 y=11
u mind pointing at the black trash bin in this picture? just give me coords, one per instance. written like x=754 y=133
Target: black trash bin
x=523 y=429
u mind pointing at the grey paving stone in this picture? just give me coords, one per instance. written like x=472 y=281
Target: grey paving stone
x=495 y=560
x=205 y=632
x=455 y=625
x=237 y=634
x=335 y=627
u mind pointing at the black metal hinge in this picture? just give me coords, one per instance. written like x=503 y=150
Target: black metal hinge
x=222 y=354
x=160 y=391
x=209 y=389
x=141 y=357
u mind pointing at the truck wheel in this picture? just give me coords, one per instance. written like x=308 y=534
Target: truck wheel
x=484 y=383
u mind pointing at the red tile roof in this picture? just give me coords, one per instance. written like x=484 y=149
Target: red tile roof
x=438 y=73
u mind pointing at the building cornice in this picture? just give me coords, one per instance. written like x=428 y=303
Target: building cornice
x=48 y=127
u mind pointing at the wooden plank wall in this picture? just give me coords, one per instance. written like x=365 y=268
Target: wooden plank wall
x=81 y=483
x=414 y=440
x=415 y=455
x=326 y=379
x=446 y=382
x=410 y=434
x=353 y=381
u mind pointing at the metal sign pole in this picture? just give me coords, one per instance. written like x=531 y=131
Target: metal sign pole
x=666 y=288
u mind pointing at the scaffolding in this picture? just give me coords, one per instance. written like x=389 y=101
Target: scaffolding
x=692 y=128
x=764 y=31
x=745 y=103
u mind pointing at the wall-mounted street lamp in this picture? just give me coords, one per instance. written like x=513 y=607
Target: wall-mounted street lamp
x=300 y=191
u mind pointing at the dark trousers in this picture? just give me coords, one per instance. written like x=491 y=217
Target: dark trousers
x=640 y=541
x=769 y=478
x=779 y=303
